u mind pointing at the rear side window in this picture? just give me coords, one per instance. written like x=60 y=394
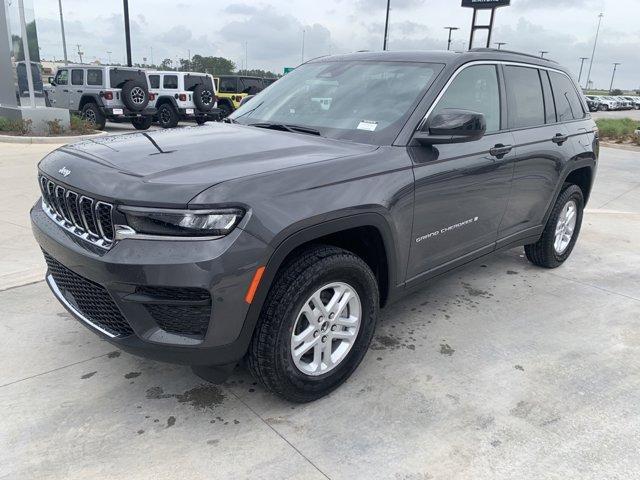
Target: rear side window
x=94 y=77
x=568 y=103
x=170 y=81
x=154 y=81
x=118 y=76
x=476 y=89
x=251 y=85
x=77 y=77
x=524 y=97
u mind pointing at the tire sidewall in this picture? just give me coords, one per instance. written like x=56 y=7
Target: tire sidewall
x=127 y=89
x=329 y=271
x=142 y=123
x=100 y=119
x=572 y=192
x=197 y=98
x=174 y=116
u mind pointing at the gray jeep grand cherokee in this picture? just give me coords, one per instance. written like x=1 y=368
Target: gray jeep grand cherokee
x=276 y=237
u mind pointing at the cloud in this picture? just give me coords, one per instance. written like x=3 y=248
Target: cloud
x=240 y=9
x=367 y=5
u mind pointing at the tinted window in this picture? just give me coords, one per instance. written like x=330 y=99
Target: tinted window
x=251 y=85
x=170 y=81
x=228 y=85
x=475 y=89
x=94 y=77
x=62 y=77
x=524 y=97
x=567 y=101
x=154 y=81
x=118 y=76
x=549 y=104
x=77 y=77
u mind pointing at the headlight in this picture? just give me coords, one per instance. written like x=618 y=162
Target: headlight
x=182 y=223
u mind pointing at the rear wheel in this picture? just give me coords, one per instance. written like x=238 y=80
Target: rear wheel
x=92 y=114
x=142 y=123
x=201 y=120
x=561 y=232
x=167 y=116
x=226 y=109
x=316 y=324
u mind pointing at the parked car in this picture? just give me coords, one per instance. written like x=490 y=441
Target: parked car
x=276 y=237
x=605 y=103
x=101 y=93
x=593 y=104
x=22 y=83
x=625 y=103
x=183 y=96
x=268 y=81
x=635 y=101
x=233 y=88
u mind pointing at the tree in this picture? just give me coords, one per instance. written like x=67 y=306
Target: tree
x=166 y=64
x=616 y=91
x=213 y=65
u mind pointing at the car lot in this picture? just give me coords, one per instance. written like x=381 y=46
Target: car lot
x=497 y=370
x=633 y=114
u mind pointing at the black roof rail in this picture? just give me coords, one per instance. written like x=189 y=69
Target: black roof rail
x=495 y=50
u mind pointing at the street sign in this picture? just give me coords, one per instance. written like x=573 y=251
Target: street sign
x=485 y=3
x=288 y=69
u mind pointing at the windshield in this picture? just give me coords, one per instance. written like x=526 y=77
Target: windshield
x=361 y=101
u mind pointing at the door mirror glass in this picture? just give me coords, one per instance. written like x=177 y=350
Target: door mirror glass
x=452 y=125
x=51 y=81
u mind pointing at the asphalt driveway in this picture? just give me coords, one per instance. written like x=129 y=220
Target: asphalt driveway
x=499 y=370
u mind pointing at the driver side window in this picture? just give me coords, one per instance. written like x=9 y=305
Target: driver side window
x=62 y=77
x=476 y=89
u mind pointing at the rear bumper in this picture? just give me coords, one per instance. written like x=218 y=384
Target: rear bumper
x=223 y=268
x=126 y=113
x=213 y=114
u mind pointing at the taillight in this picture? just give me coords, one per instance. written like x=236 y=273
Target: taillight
x=108 y=95
x=182 y=97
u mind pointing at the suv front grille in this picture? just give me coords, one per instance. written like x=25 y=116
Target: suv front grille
x=92 y=300
x=83 y=216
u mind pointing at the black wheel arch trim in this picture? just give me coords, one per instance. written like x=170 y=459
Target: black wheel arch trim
x=574 y=165
x=90 y=97
x=166 y=99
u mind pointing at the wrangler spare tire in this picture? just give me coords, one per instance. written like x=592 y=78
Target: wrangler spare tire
x=203 y=97
x=135 y=95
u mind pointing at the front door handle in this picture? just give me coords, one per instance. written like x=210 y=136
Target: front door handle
x=559 y=139
x=79 y=91
x=65 y=91
x=500 y=150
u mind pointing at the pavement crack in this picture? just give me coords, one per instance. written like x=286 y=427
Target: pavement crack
x=281 y=436
x=620 y=196
x=595 y=286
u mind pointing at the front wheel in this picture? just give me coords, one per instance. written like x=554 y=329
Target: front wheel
x=167 y=116
x=561 y=232
x=92 y=114
x=316 y=324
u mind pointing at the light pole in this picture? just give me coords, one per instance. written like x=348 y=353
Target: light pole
x=386 y=26
x=109 y=54
x=542 y=52
x=127 y=31
x=80 y=52
x=500 y=44
x=64 y=40
x=27 y=53
x=595 y=43
x=302 y=54
x=451 y=29
x=582 y=59
x=615 y=67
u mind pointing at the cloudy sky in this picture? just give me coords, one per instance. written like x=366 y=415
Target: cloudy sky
x=273 y=30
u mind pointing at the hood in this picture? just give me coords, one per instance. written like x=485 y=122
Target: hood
x=169 y=167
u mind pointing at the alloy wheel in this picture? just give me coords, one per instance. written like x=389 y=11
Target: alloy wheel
x=565 y=227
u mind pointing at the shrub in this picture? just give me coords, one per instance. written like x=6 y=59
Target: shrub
x=80 y=125
x=19 y=127
x=55 y=127
x=618 y=129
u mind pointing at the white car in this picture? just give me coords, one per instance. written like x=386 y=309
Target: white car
x=606 y=103
x=183 y=96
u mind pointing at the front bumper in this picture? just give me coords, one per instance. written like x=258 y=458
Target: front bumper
x=222 y=267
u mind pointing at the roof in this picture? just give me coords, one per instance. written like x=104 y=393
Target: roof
x=442 y=56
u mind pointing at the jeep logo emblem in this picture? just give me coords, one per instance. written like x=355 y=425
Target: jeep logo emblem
x=64 y=171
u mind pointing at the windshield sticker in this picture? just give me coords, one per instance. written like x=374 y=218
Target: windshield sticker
x=448 y=229
x=368 y=125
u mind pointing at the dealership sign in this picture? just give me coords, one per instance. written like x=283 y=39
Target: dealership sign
x=485 y=3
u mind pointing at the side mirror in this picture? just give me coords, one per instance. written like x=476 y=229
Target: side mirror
x=452 y=125
x=52 y=81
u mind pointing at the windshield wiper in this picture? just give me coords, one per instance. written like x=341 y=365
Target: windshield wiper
x=286 y=127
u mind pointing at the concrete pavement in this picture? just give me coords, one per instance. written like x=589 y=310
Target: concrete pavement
x=498 y=370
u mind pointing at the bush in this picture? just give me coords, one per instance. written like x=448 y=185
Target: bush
x=19 y=127
x=55 y=127
x=618 y=129
x=80 y=125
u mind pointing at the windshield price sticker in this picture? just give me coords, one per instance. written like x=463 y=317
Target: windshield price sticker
x=368 y=125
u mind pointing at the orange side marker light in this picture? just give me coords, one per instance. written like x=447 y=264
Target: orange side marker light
x=254 y=285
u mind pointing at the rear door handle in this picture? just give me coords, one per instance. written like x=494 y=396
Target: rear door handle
x=500 y=150
x=79 y=91
x=559 y=139
x=66 y=91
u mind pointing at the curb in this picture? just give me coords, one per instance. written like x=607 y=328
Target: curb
x=48 y=140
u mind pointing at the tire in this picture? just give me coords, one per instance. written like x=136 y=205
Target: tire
x=135 y=95
x=201 y=120
x=270 y=357
x=167 y=116
x=226 y=109
x=605 y=108
x=203 y=97
x=91 y=112
x=545 y=252
x=142 y=123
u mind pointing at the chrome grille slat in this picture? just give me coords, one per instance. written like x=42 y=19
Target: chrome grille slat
x=83 y=216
